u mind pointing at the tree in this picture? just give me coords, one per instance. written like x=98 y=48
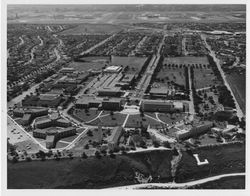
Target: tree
x=28 y=159
x=89 y=133
x=15 y=159
x=156 y=144
x=84 y=156
x=104 y=152
x=71 y=155
x=112 y=155
x=98 y=155
x=86 y=146
x=166 y=144
x=175 y=152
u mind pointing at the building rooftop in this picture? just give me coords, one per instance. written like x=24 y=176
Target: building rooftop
x=160 y=90
x=67 y=129
x=50 y=138
x=43 y=131
x=128 y=78
x=113 y=68
x=116 y=132
x=150 y=101
x=48 y=97
x=41 y=121
x=26 y=117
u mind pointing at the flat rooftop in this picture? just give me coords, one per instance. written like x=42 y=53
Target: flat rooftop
x=48 y=97
x=113 y=68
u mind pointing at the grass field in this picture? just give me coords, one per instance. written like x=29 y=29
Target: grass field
x=204 y=78
x=169 y=119
x=237 y=83
x=222 y=159
x=61 y=145
x=135 y=63
x=110 y=121
x=93 y=29
x=85 y=116
x=137 y=121
x=168 y=74
x=90 y=172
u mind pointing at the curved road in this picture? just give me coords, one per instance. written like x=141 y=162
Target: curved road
x=178 y=185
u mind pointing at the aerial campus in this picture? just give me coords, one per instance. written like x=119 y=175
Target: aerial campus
x=126 y=96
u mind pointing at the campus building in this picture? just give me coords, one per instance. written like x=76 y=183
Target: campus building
x=110 y=92
x=161 y=106
x=196 y=130
x=111 y=104
x=67 y=70
x=113 y=69
x=51 y=121
x=114 y=138
x=29 y=114
x=87 y=102
x=52 y=136
x=43 y=100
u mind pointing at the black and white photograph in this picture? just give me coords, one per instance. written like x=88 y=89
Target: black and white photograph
x=124 y=96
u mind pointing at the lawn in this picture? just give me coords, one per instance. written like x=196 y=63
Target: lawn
x=204 y=78
x=69 y=139
x=135 y=63
x=169 y=119
x=109 y=121
x=168 y=74
x=61 y=145
x=84 y=116
x=136 y=121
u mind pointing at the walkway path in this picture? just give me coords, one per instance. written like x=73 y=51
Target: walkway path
x=178 y=185
x=125 y=121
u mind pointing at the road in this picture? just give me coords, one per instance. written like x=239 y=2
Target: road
x=146 y=78
x=191 y=103
x=97 y=45
x=217 y=62
x=178 y=185
x=184 y=51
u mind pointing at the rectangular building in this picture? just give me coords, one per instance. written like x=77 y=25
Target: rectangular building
x=196 y=130
x=110 y=92
x=114 y=138
x=161 y=106
x=111 y=104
